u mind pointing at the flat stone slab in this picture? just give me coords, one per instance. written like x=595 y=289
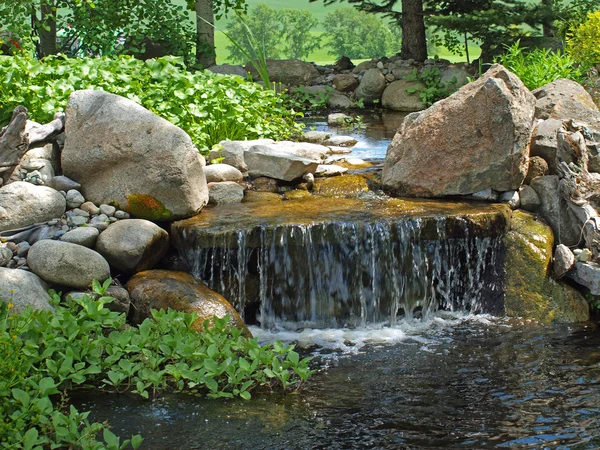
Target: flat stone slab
x=264 y=161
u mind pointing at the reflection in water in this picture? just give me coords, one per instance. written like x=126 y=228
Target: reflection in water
x=373 y=141
x=452 y=383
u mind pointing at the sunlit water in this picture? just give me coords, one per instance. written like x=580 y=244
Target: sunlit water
x=450 y=382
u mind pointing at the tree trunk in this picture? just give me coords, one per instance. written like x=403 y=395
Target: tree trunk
x=205 y=33
x=548 y=24
x=47 y=28
x=414 y=44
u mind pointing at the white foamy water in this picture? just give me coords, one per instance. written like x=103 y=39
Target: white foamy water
x=346 y=340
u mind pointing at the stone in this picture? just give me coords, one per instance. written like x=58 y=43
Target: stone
x=263 y=161
x=232 y=152
x=512 y=198
x=454 y=76
x=529 y=292
x=344 y=63
x=133 y=245
x=225 y=192
x=76 y=221
x=120 y=215
x=584 y=255
x=296 y=194
x=371 y=87
x=229 y=69
x=338 y=151
x=538 y=167
x=530 y=201
x=338 y=119
x=396 y=97
x=100 y=222
x=163 y=289
x=90 y=208
x=555 y=210
x=330 y=170
x=6 y=255
x=586 y=274
x=341 y=141
x=564 y=259
x=222 y=172
x=62 y=183
x=345 y=82
x=457 y=148
x=400 y=73
x=80 y=212
x=565 y=99
x=365 y=66
x=67 y=264
x=122 y=300
x=126 y=156
x=544 y=142
x=23 y=248
x=108 y=210
x=315 y=137
x=316 y=152
x=258 y=196
x=85 y=236
x=24 y=289
x=339 y=101
x=74 y=199
x=291 y=72
x=23 y=204
x=265 y=184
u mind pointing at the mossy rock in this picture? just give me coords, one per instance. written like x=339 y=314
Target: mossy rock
x=296 y=194
x=257 y=196
x=163 y=289
x=342 y=186
x=529 y=292
x=147 y=207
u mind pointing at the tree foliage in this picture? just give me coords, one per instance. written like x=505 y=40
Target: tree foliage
x=279 y=33
x=357 y=34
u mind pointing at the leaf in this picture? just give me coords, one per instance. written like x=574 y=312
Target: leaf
x=21 y=396
x=245 y=395
x=293 y=357
x=111 y=439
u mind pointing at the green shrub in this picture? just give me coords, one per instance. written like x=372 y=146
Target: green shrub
x=209 y=107
x=540 y=66
x=584 y=44
x=434 y=89
x=83 y=345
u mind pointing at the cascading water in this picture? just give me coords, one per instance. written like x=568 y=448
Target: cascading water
x=348 y=262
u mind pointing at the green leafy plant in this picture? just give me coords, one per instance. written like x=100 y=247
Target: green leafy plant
x=304 y=99
x=583 y=44
x=434 y=89
x=540 y=66
x=83 y=345
x=209 y=107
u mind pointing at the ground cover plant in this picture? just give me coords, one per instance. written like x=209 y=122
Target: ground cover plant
x=83 y=345
x=209 y=107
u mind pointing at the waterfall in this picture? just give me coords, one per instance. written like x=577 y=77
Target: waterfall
x=349 y=273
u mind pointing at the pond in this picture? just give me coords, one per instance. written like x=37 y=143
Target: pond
x=451 y=382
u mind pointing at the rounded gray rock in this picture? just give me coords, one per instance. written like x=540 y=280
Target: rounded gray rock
x=67 y=264
x=225 y=192
x=85 y=236
x=133 y=245
x=23 y=204
x=24 y=289
x=222 y=172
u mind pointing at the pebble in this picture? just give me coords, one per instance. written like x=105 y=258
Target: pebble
x=11 y=246
x=61 y=183
x=80 y=212
x=122 y=215
x=76 y=221
x=53 y=222
x=112 y=219
x=91 y=208
x=74 y=198
x=23 y=248
x=584 y=256
x=108 y=210
x=5 y=256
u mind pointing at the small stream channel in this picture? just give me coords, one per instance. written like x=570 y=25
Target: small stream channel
x=445 y=379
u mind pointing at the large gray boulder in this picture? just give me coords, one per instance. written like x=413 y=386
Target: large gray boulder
x=397 y=98
x=307 y=150
x=566 y=99
x=291 y=72
x=263 y=161
x=371 y=86
x=555 y=210
x=67 y=264
x=122 y=154
x=85 y=236
x=458 y=147
x=133 y=245
x=23 y=204
x=23 y=289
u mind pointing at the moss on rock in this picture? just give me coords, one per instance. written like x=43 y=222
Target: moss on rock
x=147 y=207
x=529 y=292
